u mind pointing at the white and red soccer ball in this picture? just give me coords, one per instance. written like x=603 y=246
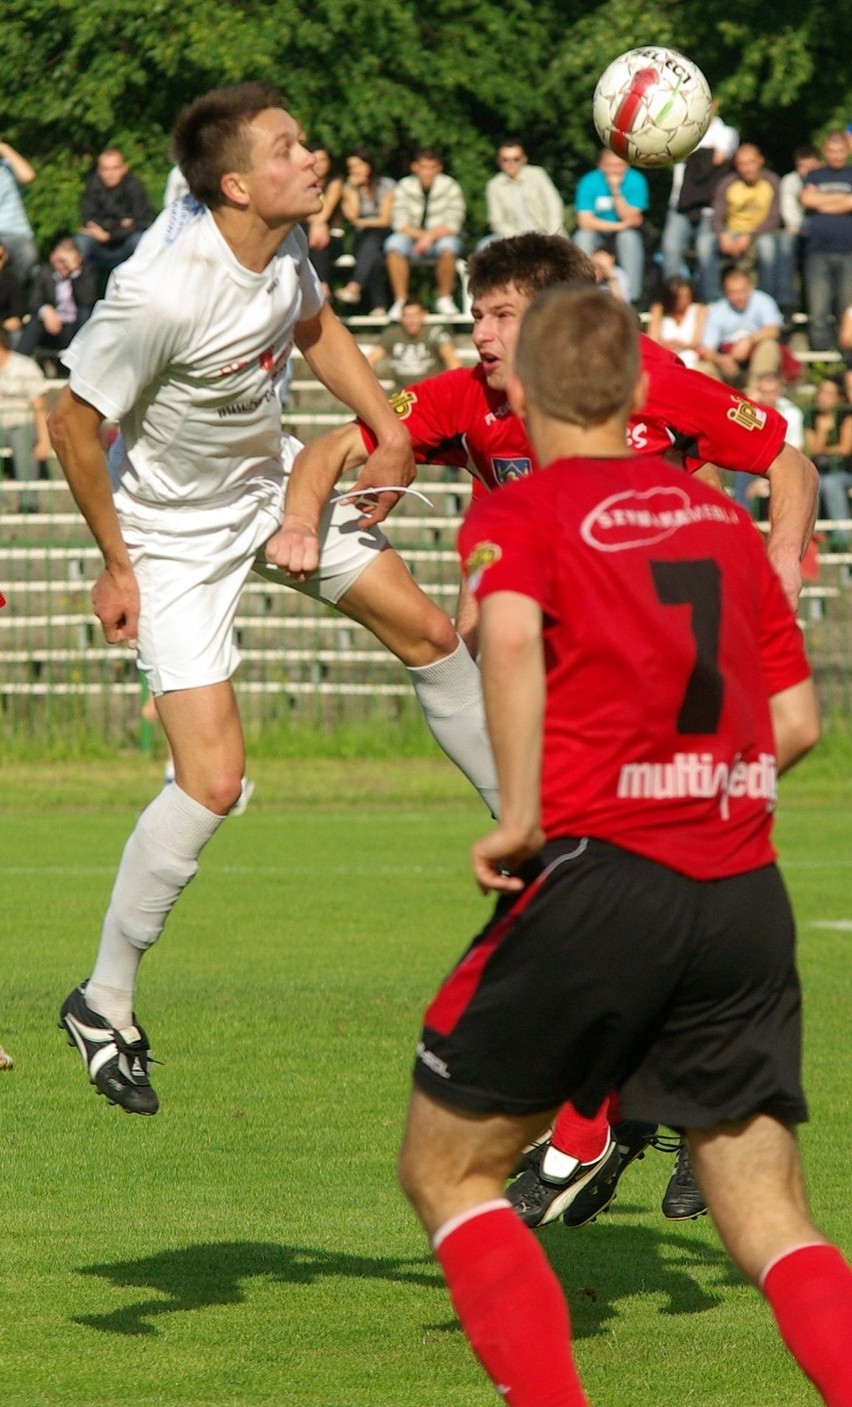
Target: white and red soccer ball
x=652 y=106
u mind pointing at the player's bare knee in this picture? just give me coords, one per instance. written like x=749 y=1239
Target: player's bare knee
x=219 y=793
x=421 y=1180
x=440 y=635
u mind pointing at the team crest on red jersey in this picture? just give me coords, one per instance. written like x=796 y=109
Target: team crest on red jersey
x=748 y=415
x=633 y=519
x=508 y=469
x=483 y=556
x=401 y=404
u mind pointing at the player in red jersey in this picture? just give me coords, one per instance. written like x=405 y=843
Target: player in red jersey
x=463 y=418
x=644 y=681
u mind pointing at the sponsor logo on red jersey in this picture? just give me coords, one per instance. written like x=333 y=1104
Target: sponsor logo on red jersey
x=632 y=519
x=699 y=774
x=748 y=415
x=403 y=403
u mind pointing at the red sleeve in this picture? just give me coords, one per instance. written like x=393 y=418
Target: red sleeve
x=500 y=545
x=710 y=421
x=433 y=414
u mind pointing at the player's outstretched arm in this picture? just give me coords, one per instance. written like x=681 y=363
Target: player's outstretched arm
x=74 y=427
x=793 y=498
x=513 y=684
x=315 y=471
x=795 y=722
x=334 y=356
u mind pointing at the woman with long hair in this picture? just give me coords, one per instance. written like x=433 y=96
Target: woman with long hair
x=367 y=200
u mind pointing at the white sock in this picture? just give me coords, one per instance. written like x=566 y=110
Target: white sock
x=450 y=695
x=159 y=860
x=560 y=1166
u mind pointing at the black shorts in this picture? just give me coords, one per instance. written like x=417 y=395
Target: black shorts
x=611 y=972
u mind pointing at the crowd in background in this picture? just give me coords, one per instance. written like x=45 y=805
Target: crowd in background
x=741 y=254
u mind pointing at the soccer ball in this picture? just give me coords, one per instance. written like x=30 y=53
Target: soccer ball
x=652 y=106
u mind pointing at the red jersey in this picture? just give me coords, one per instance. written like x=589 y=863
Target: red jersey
x=455 y=417
x=665 y=632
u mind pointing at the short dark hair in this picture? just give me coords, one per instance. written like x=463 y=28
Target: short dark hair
x=361 y=154
x=805 y=150
x=211 y=136
x=670 y=289
x=578 y=355
x=529 y=261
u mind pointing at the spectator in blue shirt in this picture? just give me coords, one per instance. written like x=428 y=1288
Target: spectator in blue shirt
x=741 y=334
x=610 y=204
x=15 y=231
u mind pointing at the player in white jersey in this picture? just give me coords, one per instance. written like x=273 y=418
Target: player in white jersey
x=184 y=351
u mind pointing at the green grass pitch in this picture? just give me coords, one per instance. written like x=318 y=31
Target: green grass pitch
x=248 y=1247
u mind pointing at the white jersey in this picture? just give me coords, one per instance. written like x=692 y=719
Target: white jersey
x=185 y=351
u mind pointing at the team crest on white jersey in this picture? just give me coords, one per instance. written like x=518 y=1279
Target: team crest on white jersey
x=509 y=468
x=634 y=519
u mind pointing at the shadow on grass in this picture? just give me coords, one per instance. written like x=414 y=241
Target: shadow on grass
x=197 y=1277
x=598 y=1266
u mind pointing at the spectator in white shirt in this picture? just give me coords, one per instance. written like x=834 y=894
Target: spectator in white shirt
x=521 y=197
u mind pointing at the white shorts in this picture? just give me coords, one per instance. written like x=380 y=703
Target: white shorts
x=345 y=550
x=191 y=565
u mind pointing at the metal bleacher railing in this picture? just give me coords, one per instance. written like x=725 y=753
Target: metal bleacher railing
x=301 y=660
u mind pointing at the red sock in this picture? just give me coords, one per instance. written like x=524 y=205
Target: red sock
x=511 y=1307
x=583 y=1139
x=809 y=1290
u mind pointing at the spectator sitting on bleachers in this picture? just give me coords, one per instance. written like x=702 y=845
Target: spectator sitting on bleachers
x=677 y=320
x=741 y=335
x=610 y=276
x=23 y=416
x=427 y=218
x=13 y=300
x=62 y=297
x=413 y=349
x=768 y=389
x=828 y=441
x=367 y=203
x=15 y=230
x=690 y=206
x=610 y=202
x=827 y=199
x=114 y=211
x=521 y=197
x=791 y=242
x=324 y=238
x=745 y=225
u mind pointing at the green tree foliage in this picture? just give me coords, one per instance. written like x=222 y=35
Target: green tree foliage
x=391 y=74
